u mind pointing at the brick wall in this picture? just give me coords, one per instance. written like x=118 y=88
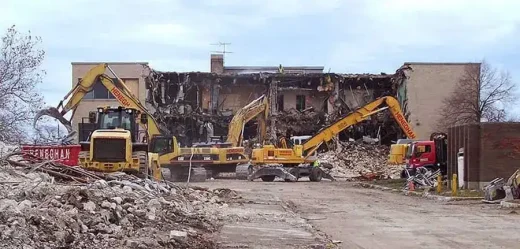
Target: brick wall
x=500 y=147
x=491 y=150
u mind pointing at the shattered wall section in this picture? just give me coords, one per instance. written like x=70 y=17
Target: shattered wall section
x=301 y=104
x=357 y=90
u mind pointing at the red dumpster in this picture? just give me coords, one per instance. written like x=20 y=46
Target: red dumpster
x=65 y=154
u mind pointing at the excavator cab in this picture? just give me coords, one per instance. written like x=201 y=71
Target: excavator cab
x=113 y=145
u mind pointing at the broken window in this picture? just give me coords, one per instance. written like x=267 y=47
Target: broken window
x=300 y=102
x=280 y=103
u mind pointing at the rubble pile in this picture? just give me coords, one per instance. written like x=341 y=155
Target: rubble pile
x=360 y=160
x=304 y=122
x=38 y=210
x=6 y=149
x=422 y=178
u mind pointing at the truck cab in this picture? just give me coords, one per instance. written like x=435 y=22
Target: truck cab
x=420 y=154
x=429 y=154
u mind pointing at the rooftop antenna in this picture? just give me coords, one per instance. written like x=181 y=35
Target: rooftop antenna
x=223 y=45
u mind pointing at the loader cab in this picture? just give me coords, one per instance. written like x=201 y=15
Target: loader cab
x=107 y=118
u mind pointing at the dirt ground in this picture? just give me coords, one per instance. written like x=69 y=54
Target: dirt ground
x=314 y=215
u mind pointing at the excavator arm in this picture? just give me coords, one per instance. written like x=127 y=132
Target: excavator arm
x=258 y=107
x=326 y=134
x=118 y=89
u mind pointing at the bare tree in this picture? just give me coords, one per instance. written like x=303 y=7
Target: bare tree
x=20 y=75
x=48 y=131
x=483 y=93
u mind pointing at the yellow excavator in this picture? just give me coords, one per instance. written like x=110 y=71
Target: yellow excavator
x=114 y=144
x=214 y=158
x=290 y=164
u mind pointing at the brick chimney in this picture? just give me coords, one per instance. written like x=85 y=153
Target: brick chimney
x=217 y=63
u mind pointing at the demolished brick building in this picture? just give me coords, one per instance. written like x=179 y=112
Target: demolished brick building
x=196 y=106
x=302 y=98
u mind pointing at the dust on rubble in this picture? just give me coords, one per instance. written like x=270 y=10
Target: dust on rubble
x=38 y=210
x=360 y=160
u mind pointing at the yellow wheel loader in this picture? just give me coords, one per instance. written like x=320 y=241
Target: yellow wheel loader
x=114 y=144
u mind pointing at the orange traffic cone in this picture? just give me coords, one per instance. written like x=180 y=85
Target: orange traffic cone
x=411 y=186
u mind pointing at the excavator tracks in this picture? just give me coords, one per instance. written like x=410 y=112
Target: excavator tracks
x=181 y=174
x=243 y=171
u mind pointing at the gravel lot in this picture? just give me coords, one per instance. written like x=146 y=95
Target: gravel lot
x=314 y=215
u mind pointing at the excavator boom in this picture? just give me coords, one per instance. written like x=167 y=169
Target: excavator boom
x=244 y=115
x=113 y=145
x=118 y=89
x=292 y=163
x=359 y=115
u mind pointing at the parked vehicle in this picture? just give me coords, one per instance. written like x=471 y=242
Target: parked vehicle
x=398 y=151
x=431 y=155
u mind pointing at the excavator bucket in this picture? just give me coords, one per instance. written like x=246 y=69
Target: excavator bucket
x=55 y=113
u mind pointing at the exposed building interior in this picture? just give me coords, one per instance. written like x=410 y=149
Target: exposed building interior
x=197 y=106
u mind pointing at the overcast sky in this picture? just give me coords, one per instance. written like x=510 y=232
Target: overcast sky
x=369 y=36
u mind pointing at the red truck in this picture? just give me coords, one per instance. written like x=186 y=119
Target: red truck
x=430 y=154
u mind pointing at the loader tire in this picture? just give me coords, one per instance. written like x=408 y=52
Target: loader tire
x=316 y=174
x=295 y=172
x=143 y=163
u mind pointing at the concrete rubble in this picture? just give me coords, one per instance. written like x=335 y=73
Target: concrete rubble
x=304 y=122
x=358 y=160
x=41 y=211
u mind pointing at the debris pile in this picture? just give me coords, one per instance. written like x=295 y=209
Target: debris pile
x=6 y=149
x=423 y=177
x=360 y=160
x=39 y=209
x=304 y=122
